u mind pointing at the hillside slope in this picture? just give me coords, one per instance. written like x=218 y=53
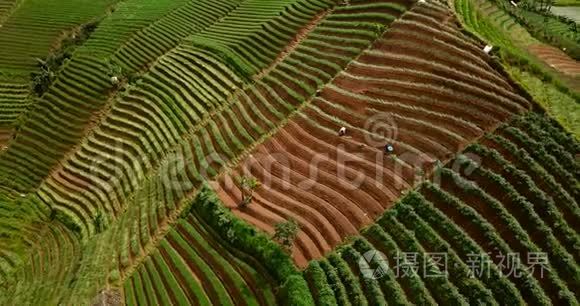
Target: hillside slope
x=373 y=125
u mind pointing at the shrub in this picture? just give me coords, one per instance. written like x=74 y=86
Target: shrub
x=114 y=276
x=286 y=233
x=247 y=185
x=99 y=222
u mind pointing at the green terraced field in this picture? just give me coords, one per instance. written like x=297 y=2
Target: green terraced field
x=188 y=153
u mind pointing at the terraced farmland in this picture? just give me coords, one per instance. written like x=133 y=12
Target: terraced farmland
x=518 y=200
x=425 y=128
x=192 y=266
x=254 y=152
x=498 y=27
x=546 y=73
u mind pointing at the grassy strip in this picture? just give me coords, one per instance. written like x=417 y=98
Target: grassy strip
x=563 y=107
x=543 y=85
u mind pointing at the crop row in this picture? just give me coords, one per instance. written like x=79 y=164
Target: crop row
x=519 y=37
x=55 y=122
x=238 y=131
x=6 y=8
x=552 y=30
x=274 y=26
x=128 y=19
x=210 y=256
x=192 y=266
x=21 y=225
x=529 y=62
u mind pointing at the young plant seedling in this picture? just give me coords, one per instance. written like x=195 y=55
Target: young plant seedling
x=247 y=185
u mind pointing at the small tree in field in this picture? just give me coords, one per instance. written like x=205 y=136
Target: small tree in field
x=286 y=232
x=247 y=185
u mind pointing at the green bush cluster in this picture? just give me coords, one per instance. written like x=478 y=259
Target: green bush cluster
x=41 y=80
x=391 y=290
x=548 y=161
x=551 y=128
x=324 y=295
x=350 y=282
x=458 y=272
x=512 y=228
x=294 y=289
x=384 y=242
x=441 y=288
x=535 y=227
x=334 y=282
x=66 y=220
x=542 y=203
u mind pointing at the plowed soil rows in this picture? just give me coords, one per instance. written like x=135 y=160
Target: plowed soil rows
x=556 y=58
x=425 y=105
